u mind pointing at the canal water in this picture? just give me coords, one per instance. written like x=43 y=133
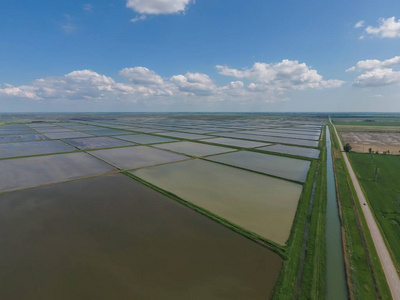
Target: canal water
x=336 y=288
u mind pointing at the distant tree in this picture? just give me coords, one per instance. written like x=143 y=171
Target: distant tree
x=376 y=152
x=388 y=151
x=370 y=150
x=347 y=147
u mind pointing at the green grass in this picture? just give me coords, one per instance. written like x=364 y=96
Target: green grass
x=313 y=283
x=287 y=283
x=383 y=195
x=312 y=278
x=365 y=123
x=366 y=279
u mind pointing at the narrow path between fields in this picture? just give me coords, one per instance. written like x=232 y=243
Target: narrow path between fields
x=384 y=256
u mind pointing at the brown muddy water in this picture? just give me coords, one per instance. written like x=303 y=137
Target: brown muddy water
x=111 y=237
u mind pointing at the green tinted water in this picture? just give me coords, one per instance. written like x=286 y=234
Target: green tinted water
x=336 y=288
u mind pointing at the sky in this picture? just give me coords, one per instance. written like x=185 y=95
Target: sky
x=203 y=55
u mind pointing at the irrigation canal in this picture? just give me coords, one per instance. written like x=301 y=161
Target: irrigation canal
x=336 y=288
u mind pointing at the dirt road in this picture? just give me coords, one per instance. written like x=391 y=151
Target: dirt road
x=384 y=256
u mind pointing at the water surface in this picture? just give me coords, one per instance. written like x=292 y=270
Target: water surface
x=194 y=149
x=111 y=237
x=236 y=142
x=144 y=138
x=97 y=142
x=293 y=150
x=33 y=148
x=259 y=203
x=285 y=167
x=137 y=156
x=336 y=288
x=32 y=171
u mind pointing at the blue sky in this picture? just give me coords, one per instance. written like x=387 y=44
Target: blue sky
x=181 y=55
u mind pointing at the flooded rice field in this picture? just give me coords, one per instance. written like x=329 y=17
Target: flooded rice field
x=33 y=148
x=183 y=135
x=21 y=138
x=32 y=171
x=137 y=156
x=264 y=138
x=111 y=237
x=245 y=198
x=236 y=142
x=53 y=129
x=280 y=134
x=194 y=149
x=73 y=225
x=292 y=150
x=145 y=139
x=285 y=167
x=97 y=142
x=106 y=132
x=66 y=135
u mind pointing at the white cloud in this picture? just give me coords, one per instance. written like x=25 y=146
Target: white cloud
x=378 y=77
x=138 y=18
x=236 y=84
x=282 y=76
x=23 y=91
x=77 y=85
x=142 y=75
x=388 y=28
x=144 y=85
x=195 y=84
x=156 y=7
x=371 y=64
x=376 y=72
x=359 y=24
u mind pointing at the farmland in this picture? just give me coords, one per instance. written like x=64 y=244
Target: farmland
x=191 y=185
x=379 y=134
x=383 y=194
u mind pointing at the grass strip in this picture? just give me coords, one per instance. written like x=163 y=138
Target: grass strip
x=313 y=279
x=365 y=276
x=286 y=287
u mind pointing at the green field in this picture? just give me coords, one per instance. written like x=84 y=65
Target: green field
x=366 y=279
x=383 y=195
x=367 y=123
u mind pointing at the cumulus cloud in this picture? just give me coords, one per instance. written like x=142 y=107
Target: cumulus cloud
x=194 y=83
x=263 y=83
x=282 y=76
x=359 y=24
x=77 y=85
x=23 y=92
x=371 y=64
x=388 y=28
x=157 y=7
x=142 y=75
x=376 y=72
